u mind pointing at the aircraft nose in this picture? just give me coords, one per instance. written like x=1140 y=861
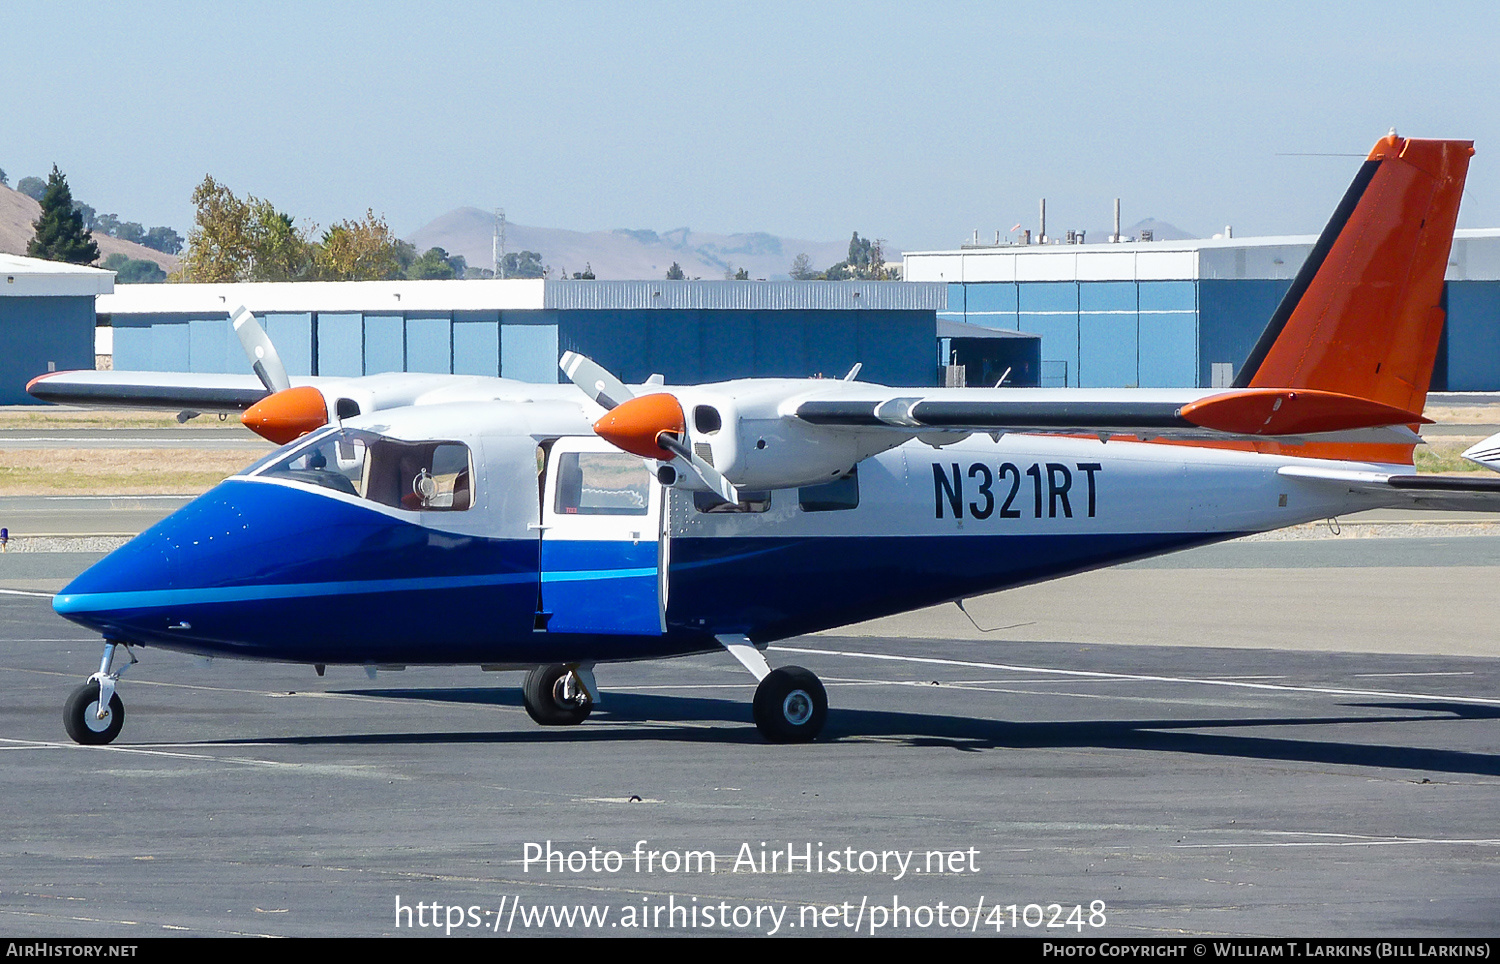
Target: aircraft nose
x=120 y=581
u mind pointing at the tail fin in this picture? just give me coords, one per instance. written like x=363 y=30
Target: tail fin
x=1364 y=315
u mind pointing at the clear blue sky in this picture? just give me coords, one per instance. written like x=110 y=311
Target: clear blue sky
x=913 y=122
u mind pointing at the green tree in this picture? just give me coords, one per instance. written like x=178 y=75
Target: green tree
x=132 y=231
x=240 y=240
x=434 y=265
x=130 y=271
x=163 y=239
x=32 y=187
x=359 y=251
x=218 y=246
x=675 y=273
x=4 y=181
x=524 y=264
x=60 y=235
x=802 y=269
x=279 y=250
x=859 y=252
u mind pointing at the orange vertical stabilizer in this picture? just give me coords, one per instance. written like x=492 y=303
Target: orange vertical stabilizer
x=1364 y=315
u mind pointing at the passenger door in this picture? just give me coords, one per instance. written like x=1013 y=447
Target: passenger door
x=602 y=542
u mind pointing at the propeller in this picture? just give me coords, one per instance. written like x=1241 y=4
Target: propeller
x=287 y=413
x=597 y=383
x=262 y=354
x=651 y=426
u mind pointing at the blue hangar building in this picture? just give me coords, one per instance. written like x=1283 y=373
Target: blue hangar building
x=688 y=331
x=1182 y=314
x=46 y=320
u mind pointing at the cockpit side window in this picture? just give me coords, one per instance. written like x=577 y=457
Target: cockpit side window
x=418 y=476
x=337 y=462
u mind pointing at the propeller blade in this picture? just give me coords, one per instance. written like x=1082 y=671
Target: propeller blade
x=706 y=473
x=596 y=382
x=258 y=347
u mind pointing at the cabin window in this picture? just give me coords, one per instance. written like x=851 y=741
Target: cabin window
x=425 y=476
x=602 y=483
x=841 y=493
x=749 y=502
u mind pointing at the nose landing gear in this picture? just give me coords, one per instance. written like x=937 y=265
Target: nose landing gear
x=94 y=714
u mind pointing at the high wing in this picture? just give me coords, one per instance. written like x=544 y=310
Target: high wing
x=1248 y=414
x=269 y=402
x=166 y=391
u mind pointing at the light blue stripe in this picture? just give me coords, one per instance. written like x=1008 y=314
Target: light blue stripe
x=148 y=598
x=586 y=574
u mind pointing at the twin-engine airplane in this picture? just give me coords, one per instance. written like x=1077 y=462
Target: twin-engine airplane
x=437 y=519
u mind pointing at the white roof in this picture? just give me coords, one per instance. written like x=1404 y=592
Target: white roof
x=33 y=277
x=1476 y=256
x=327 y=296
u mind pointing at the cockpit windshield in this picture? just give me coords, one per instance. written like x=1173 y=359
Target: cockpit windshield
x=426 y=476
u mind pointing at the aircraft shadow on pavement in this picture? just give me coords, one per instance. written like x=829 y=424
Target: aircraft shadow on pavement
x=650 y=717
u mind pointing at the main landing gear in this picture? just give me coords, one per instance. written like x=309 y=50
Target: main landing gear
x=559 y=695
x=94 y=713
x=790 y=703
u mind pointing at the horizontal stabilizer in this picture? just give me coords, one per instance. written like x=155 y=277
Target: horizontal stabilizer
x=1437 y=492
x=1486 y=453
x=1281 y=411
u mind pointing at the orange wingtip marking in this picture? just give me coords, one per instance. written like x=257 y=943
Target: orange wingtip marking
x=1275 y=411
x=287 y=415
x=635 y=425
x=41 y=377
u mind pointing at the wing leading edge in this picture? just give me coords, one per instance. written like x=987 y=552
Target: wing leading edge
x=1238 y=414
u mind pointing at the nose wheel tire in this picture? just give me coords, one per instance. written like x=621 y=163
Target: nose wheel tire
x=555 y=697
x=81 y=716
x=790 y=705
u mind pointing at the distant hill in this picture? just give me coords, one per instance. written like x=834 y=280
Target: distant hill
x=1160 y=231
x=629 y=254
x=18 y=212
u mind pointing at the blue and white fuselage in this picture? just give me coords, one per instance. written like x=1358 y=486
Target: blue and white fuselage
x=563 y=549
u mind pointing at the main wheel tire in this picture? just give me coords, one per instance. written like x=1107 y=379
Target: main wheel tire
x=554 y=697
x=81 y=716
x=790 y=705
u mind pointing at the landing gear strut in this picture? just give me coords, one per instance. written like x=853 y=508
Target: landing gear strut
x=556 y=695
x=94 y=713
x=790 y=703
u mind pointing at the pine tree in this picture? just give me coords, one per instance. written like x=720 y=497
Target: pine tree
x=60 y=235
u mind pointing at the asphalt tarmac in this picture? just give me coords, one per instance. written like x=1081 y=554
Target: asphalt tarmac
x=1261 y=739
